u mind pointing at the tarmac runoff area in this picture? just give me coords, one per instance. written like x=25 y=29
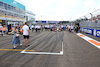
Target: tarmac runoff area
x=52 y=49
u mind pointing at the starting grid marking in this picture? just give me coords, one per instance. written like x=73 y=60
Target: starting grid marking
x=26 y=51
x=15 y=50
x=90 y=40
x=43 y=53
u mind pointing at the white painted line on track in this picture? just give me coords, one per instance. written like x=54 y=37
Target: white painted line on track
x=62 y=52
x=48 y=53
x=90 y=40
x=45 y=53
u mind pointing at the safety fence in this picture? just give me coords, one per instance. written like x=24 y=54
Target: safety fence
x=91 y=20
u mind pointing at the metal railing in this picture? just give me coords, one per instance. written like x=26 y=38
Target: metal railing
x=91 y=20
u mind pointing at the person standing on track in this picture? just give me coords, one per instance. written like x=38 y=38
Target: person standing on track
x=26 y=33
x=1 y=29
x=72 y=28
x=32 y=27
x=16 y=40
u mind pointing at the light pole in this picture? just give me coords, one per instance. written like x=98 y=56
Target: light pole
x=91 y=19
x=85 y=18
x=91 y=16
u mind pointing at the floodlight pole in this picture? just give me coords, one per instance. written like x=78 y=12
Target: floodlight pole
x=91 y=19
x=85 y=18
x=91 y=16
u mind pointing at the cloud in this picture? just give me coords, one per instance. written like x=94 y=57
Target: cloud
x=59 y=9
x=89 y=3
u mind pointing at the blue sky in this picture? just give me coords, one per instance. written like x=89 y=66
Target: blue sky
x=60 y=9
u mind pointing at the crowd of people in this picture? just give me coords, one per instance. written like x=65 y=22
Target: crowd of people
x=3 y=29
x=39 y=28
x=26 y=33
x=73 y=28
x=24 y=30
x=9 y=29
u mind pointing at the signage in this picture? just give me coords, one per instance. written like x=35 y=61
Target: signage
x=98 y=33
x=94 y=32
x=53 y=21
x=90 y=31
x=43 y=21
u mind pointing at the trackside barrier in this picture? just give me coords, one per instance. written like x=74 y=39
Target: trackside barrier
x=94 y=32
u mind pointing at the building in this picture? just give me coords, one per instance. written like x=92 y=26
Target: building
x=30 y=17
x=11 y=12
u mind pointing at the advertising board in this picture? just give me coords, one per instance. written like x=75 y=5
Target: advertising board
x=94 y=32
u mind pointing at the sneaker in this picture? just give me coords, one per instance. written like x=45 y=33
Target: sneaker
x=20 y=44
x=14 y=47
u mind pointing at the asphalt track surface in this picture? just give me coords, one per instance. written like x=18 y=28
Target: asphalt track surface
x=76 y=51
